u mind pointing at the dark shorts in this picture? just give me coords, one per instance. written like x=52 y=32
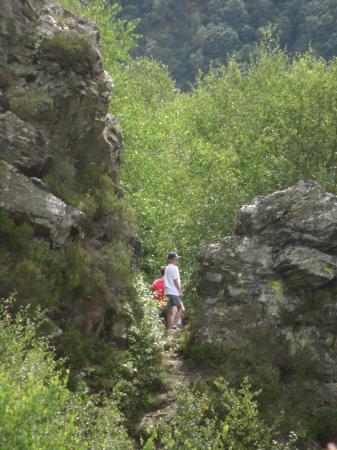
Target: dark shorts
x=174 y=300
x=163 y=313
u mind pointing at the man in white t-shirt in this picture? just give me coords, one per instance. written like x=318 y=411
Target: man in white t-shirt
x=173 y=290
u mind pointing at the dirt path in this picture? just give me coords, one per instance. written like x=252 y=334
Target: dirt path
x=178 y=375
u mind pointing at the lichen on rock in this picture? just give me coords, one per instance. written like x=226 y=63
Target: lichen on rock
x=29 y=202
x=267 y=299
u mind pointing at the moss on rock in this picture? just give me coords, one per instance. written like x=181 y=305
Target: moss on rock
x=35 y=105
x=70 y=49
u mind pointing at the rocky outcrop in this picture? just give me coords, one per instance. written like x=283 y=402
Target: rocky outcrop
x=56 y=143
x=28 y=199
x=54 y=95
x=54 y=91
x=267 y=297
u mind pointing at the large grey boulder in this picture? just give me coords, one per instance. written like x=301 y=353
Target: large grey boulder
x=301 y=214
x=29 y=201
x=267 y=297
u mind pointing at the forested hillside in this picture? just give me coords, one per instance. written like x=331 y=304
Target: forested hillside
x=189 y=35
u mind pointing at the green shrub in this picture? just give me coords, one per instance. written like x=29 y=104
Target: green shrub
x=92 y=191
x=37 y=411
x=74 y=275
x=228 y=419
x=281 y=373
x=74 y=345
x=70 y=49
x=118 y=256
x=141 y=373
x=43 y=276
x=29 y=280
x=134 y=375
x=109 y=204
x=324 y=423
x=16 y=237
x=75 y=186
x=64 y=187
x=146 y=334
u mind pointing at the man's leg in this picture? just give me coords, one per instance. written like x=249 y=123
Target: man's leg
x=169 y=316
x=181 y=309
x=174 y=312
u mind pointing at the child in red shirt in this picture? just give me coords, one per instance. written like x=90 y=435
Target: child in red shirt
x=158 y=287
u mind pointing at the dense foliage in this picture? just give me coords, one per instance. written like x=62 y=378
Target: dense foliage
x=189 y=35
x=44 y=277
x=191 y=160
x=222 y=419
x=35 y=399
x=37 y=411
x=65 y=281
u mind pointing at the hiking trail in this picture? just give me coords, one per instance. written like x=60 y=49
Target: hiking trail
x=178 y=375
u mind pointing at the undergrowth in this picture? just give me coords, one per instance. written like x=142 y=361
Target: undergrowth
x=218 y=417
x=37 y=410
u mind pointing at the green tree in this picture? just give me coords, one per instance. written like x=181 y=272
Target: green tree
x=192 y=159
x=174 y=32
x=117 y=35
